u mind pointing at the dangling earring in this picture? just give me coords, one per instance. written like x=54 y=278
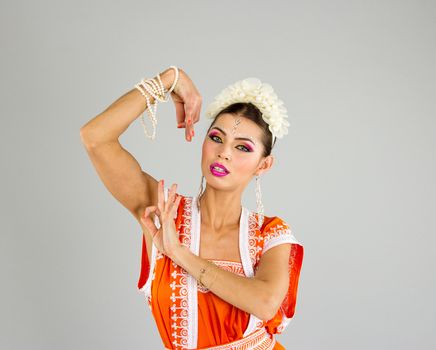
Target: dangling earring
x=260 y=208
x=200 y=192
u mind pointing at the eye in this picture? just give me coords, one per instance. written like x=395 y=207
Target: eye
x=246 y=149
x=212 y=137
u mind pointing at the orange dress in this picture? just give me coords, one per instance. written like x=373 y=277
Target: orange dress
x=189 y=316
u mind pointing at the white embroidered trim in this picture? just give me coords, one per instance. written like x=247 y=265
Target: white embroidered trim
x=250 y=252
x=181 y=315
x=244 y=250
x=258 y=340
x=278 y=236
x=255 y=249
x=192 y=282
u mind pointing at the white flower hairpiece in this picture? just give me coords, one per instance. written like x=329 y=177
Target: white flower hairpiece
x=261 y=95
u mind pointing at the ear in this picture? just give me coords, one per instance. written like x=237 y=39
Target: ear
x=265 y=164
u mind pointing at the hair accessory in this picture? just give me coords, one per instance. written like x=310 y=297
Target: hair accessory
x=237 y=122
x=156 y=89
x=262 y=96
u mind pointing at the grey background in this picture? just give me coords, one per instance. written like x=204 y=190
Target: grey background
x=354 y=176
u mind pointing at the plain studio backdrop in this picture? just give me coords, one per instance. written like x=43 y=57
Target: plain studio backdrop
x=354 y=177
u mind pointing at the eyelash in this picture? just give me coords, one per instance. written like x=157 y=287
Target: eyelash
x=212 y=136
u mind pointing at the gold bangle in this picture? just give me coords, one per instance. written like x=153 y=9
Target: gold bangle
x=202 y=271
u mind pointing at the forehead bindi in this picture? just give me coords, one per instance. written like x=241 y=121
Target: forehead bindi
x=239 y=137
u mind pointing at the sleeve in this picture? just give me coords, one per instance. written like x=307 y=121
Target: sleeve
x=279 y=232
x=276 y=232
x=145 y=265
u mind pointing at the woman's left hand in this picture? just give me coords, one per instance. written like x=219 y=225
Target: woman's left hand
x=166 y=238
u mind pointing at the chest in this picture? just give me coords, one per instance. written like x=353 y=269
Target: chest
x=222 y=246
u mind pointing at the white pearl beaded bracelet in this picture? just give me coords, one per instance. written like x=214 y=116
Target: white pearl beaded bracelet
x=156 y=89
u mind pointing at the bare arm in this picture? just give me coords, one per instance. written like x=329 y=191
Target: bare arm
x=117 y=168
x=260 y=295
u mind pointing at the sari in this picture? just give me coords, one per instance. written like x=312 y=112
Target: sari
x=188 y=315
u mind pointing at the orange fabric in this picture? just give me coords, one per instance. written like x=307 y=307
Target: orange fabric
x=218 y=321
x=278 y=346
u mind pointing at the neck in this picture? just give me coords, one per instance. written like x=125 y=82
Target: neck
x=220 y=210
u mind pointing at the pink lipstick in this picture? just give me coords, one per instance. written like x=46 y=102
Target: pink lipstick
x=218 y=169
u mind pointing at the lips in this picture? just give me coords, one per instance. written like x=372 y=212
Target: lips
x=216 y=164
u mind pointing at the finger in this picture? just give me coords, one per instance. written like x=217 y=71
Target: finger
x=171 y=196
x=196 y=110
x=192 y=133
x=176 y=205
x=148 y=222
x=189 y=112
x=189 y=127
x=160 y=195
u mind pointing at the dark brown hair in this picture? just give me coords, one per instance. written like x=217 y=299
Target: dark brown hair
x=250 y=111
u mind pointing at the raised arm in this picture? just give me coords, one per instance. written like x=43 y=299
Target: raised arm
x=119 y=171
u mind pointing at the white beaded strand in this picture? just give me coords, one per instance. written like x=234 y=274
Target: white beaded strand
x=157 y=91
x=153 y=89
x=176 y=79
x=151 y=114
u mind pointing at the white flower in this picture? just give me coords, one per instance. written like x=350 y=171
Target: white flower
x=261 y=95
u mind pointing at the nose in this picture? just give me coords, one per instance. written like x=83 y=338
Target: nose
x=224 y=155
x=224 y=151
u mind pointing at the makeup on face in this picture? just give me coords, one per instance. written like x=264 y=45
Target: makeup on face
x=247 y=144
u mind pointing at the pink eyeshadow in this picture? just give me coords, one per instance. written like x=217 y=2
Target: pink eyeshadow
x=248 y=146
x=215 y=133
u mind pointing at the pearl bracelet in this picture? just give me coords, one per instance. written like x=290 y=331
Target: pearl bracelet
x=156 y=89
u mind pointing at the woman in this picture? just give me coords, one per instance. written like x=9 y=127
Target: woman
x=236 y=286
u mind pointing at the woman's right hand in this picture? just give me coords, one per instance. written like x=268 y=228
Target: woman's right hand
x=187 y=101
x=166 y=237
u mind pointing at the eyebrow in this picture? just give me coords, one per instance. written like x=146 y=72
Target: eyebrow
x=236 y=138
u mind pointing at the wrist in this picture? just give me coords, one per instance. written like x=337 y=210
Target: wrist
x=167 y=77
x=177 y=252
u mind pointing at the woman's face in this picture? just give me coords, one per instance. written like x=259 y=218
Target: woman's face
x=234 y=142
